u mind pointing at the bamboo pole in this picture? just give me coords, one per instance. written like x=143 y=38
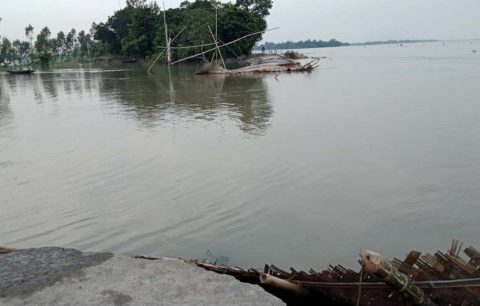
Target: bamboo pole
x=216 y=21
x=218 y=49
x=164 y=49
x=193 y=47
x=374 y=263
x=170 y=86
x=216 y=30
x=178 y=35
x=267 y=279
x=431 y=284
x=160 y=54
x=167 y=40
x=223 y=45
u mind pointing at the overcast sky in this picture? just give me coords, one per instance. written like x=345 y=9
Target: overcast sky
x=345 y=20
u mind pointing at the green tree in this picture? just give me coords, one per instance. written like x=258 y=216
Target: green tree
x=6 y=51
x=115 y=29
x=43 y=46
x=304 y=44
x=136 y=3
x=60 y=45
x=234 y=23
x=84 y=44
x=138 y=29
x=21 y=52
x=29 y=32
x=97 y=48
x=258 y=7
x=70 y=43
x=196 y=16
x=142 y=31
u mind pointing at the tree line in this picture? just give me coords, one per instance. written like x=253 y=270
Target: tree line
x=288 y=45
x=303 y=44
x=391 y=42
x=43 y=47
x=137 y=30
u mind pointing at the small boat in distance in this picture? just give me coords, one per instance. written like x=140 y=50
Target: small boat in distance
x=21 y=71
x=129 y=60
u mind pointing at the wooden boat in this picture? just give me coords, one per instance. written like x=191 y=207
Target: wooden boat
x=21 y=71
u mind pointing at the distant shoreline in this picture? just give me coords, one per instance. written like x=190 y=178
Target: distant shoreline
x=310 y=44
x=392 y=42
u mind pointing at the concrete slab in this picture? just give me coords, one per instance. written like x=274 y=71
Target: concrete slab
x=54 y=276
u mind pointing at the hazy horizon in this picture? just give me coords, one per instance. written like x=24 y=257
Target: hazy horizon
x=344 y=20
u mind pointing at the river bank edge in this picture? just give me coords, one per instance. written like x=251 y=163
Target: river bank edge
x=53 y=276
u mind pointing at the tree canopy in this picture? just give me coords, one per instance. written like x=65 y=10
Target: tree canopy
x=138 y=29
x=303 y=44
x=258 y=7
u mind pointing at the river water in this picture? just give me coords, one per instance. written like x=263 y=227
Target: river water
x=379 y=148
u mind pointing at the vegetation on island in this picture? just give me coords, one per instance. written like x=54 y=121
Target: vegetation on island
x=138 y=31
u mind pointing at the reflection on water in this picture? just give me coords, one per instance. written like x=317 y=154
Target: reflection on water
x=75 y=136
x=378 y=148
x=204 y=97
x=6 y=115
x=153 y=98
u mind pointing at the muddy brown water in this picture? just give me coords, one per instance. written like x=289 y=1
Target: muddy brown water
x=378 y=148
